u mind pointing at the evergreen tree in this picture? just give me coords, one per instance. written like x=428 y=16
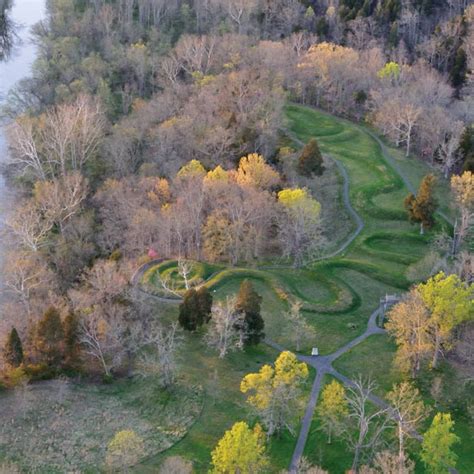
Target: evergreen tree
x=393 y=39
x=311 y=160
x=13 y=352
x=71 y=342
x=195 y=310
x=458 y=73
x=421 y=208
x=322 y=27
x=466 y=148
x=249 y=302
x=204 y=298
x=188 y=311
x=49 y=339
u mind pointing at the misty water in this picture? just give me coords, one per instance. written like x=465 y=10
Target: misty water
x=22 y=15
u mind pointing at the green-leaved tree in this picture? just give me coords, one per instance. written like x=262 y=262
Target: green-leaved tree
x=450 y=302
x=333 y=409
x=436 y=449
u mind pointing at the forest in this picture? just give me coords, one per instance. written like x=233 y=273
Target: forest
x=241 y=240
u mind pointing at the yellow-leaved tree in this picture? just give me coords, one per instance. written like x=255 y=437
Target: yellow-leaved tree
x=299 y=224
x=241 y=450
x=333 y=409
x=218 y=174
x=254 y=171
x=450 y=301
x=409 y=324
x=390 y=71
x=275 y=392
x=192 y=169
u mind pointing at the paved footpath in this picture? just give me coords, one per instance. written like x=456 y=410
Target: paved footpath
x=323 y=366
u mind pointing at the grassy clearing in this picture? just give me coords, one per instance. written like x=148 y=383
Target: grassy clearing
x=58 y=427
x=359 y=361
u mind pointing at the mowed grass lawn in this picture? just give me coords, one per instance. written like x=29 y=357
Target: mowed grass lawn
x=338 y=296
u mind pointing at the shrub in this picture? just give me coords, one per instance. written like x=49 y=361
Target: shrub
x=124 y=450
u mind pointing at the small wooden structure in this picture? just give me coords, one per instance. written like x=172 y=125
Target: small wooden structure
x=314 y=351
x=386 y=302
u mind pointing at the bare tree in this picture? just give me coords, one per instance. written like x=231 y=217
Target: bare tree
x=25 y=143
x=366 y=426
x=195 y=53
x=26 y=276
x=103 y=340
x=185 y=269
x=29 y=227
x=176 y=465
x=160 y=352
x=409 y=411
x=449 y=144
x=463 y=190
x=61 y=199
x=239 y=12
x=62 y=140
x=398 y=120
x=103 y=305
x=386 y=462
x=225 y=331
x=299 y=331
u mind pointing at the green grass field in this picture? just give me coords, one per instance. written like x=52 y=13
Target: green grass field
x=338 y=296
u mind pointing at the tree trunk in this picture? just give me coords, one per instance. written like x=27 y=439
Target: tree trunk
x=355 y=462
x=401 y=453
x=434 y=362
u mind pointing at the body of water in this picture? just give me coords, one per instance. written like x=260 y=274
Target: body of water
x=23 y=14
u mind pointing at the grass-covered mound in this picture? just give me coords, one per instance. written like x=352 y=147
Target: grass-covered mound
x=167 y=272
